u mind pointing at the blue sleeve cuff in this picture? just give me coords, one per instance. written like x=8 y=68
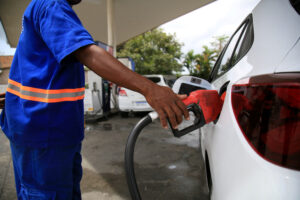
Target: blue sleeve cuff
x=73 y=48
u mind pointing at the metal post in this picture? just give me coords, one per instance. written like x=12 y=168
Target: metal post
x=111 y=30
x=111 y=40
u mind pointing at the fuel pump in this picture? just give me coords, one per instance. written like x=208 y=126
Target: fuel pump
x=204 y=102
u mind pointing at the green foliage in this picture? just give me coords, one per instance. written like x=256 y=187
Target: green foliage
x=153 y=52
x=219 y=43
x=200 y=65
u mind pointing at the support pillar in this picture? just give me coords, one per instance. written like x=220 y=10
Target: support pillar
x=111 y=25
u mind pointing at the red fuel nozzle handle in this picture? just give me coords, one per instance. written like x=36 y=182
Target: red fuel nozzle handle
x=206 y=106
x=208 y=100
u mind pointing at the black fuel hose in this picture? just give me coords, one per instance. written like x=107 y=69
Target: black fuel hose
x=129 y=154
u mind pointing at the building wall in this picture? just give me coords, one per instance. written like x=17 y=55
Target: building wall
x=5 y=64
x=4 y=76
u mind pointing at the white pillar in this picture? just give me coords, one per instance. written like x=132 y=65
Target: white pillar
x=111 y=30
x=111 y=41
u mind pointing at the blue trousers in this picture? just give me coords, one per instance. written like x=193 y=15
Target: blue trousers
x=51 y=173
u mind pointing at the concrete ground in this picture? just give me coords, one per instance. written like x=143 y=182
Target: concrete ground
x=166 y=167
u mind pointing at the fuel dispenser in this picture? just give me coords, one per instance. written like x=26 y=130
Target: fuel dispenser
x=204 y=102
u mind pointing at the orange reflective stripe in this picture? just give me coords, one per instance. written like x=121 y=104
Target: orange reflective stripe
x=42 y=95
x=43 y=99
x=31 y=89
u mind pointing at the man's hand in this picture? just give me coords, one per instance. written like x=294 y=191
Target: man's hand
x=164 y=101
x=2 y=100
x=168 y=105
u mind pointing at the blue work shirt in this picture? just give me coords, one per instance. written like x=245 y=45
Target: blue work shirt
x=44 y=99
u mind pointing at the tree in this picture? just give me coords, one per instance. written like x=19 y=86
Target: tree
x=200 y=65
x=153 y=52
x=190 y=61
x=219 y=43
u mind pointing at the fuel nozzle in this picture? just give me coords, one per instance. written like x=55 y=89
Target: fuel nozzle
x=206 y=106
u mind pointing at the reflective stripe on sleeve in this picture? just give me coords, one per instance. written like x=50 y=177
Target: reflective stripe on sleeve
x=42 y=95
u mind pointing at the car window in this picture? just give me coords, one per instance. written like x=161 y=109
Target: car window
x=245 y=44
x=237 y=47
x=296 y=5
x=154 y=79
x=225 y=64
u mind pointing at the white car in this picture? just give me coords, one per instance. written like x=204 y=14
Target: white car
x=252 y=151
x=130 y=101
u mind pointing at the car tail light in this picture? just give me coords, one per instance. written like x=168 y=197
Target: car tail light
x=267 y=109
x=122 y=92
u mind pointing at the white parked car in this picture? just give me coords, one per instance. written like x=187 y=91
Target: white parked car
x=252 y=151
x=130 y=101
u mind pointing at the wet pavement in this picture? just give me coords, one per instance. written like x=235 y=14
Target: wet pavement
x=166 y=167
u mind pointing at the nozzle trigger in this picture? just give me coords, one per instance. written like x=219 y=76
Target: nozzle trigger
x=198 y=122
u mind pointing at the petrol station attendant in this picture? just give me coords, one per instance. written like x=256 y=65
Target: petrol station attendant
x=43 y=111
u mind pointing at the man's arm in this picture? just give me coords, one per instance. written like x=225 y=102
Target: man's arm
x=164 y=101
x=2 y=100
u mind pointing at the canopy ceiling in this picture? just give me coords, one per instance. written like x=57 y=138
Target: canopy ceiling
x=131 y=17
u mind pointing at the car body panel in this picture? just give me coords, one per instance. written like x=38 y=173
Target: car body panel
x=291 y=61
x=270 y=19
x=232 y=158
x=237 y=171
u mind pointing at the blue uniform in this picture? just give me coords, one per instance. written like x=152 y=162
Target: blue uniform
x=44 y=99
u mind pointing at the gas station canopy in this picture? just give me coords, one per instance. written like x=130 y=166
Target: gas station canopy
x=108 y=21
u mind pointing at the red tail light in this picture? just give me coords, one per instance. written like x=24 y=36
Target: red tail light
x=267 y=109
x=122 y=92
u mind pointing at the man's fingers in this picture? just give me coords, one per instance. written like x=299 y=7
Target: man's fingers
x=181 y=105
x=168 y=105
x=183 y=108
x=163 y=118
x=178 y=113
x=182 y=96
x=171 y=116
x=173 y=113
